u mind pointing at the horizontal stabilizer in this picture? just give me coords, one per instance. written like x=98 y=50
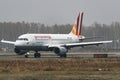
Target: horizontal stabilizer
x=94 y=37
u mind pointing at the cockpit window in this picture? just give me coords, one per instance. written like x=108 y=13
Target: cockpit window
x=24 y=39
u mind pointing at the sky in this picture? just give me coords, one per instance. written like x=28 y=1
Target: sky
x=52 y=12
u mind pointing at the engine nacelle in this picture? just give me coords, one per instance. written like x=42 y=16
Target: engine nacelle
x=19 y=52
x=60 y=50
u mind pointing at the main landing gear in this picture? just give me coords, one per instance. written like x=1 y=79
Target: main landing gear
x=63 y=55
x=37 y=55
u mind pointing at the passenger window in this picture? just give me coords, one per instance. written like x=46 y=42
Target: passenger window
x=25 y=39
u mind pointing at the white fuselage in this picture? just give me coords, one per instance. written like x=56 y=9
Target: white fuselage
x=44 y=39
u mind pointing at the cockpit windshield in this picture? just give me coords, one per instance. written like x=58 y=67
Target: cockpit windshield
x=23 y=39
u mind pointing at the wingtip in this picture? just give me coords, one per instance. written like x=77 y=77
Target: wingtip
x=2 y=39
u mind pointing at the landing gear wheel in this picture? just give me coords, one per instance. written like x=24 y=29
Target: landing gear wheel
x=26 y=55
x=37 y=55
x=63 y=56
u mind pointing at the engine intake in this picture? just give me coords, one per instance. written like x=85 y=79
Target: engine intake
x=60 y=50
x=19 y=52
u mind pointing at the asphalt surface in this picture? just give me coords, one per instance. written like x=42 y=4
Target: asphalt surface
x=13 y=56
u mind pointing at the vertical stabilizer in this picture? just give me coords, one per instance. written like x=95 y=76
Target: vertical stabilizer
x=77 y=27
x=81 y=24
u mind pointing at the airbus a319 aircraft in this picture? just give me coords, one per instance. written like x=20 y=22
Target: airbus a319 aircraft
x=59 y=43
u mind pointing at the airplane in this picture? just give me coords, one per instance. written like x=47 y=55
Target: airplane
x=58 y=43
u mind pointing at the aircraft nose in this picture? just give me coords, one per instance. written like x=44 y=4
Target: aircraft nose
x=21 y=43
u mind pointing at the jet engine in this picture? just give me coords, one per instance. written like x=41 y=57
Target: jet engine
x=60 y=50
x=19 y=52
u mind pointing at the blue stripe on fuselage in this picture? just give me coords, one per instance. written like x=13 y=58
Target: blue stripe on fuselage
x=34 y=48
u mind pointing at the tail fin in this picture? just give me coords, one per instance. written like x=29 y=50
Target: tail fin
x=76 y=30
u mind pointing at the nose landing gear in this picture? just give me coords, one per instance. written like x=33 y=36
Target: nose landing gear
x=27 y=55
x=36 y=55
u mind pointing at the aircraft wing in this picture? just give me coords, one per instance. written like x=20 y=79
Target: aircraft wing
x=9 y=42
x=87 y=43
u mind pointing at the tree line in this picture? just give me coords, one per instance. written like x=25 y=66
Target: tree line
x=11 y=30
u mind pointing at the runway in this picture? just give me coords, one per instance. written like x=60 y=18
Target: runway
x=46 y=55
